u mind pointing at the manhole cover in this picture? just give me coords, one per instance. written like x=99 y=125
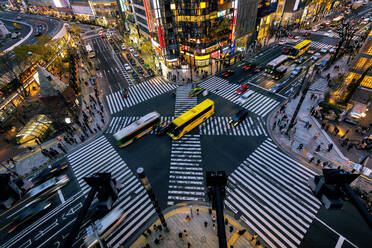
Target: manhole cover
x=203 y=239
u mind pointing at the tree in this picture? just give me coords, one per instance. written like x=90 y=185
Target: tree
x=75 y=29
x=43 y=40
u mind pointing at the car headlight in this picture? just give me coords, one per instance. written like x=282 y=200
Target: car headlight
x=230 y=121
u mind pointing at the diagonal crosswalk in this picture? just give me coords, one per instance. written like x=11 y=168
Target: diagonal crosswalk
x=217 y=125
x=269 y=190
x=138 y=93
x=100 y=156
x=183 y=101
x=186 y=176
x=257 y=103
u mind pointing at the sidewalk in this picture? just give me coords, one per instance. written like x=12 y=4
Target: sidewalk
x=187 y=218
x=304 y=142
x=92 y=121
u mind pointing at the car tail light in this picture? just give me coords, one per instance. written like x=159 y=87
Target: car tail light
x=11 y=230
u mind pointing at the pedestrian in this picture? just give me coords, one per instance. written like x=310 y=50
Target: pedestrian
x=103 y=120
x=318 y=148
x=160 y=228
x=161 y=237
x=214 y=226
x=309 y=126
x=188 y=244
x=231 y=228
x=306 y=124
x=180 y=235
x=185 y=232
x=37 y=141
x=300 y=146
x=346 y=132
x=188 y=219
x=149 y=231
x=318 y=162
x=226 y=221
x=205 y=224
x=241 y=232
x=144 y=234
x=311 y=159
x=156 y=241
x=213 y=218
x=274 y=125
x=350 y=146
x=155 y=227
x=197 y=211
x=292 y=142
x=330 y=146
x=95 y=130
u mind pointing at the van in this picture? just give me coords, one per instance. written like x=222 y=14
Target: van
x=356 y=113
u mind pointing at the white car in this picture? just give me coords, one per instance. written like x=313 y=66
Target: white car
x=244 y=98
x=135 y=54
x=332 y=50
x=127 y=67
x=315 y=56
x=131 y=49
x=296 y=71
x=123 y=47
x=324 y=50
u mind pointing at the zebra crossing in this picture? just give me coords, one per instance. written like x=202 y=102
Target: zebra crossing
x=257 y=103
x=186 y=176
x=320 y=85
x=216 y=125
x=269 y=190
x=183 y=101
x=320 y=45
x=122 y=70
x=118 y=123
x=138 y=93
x=100 y=156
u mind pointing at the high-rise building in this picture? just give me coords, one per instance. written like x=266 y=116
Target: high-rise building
x=106 y=12
x=193 y=32
x=81 y=9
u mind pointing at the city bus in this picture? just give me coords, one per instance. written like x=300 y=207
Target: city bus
x=299 y=49
x=272 y=65
x=191 y=119
x=137 y=129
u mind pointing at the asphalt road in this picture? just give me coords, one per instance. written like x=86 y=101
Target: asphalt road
x=9 y=41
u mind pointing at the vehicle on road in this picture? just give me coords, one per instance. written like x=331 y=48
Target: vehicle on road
x=311 y=51
x=131 y=49
x=137 y=129
x=163 y=128
x=279 y=72
x=123 y=47
x=240 y=116
x=336 y=21
x=37 y=34
x=227 y=73
x=90 y=51
x=48 y=187
x=249 y=67
x=324 y=50
x=296 y=71
x=332 y=50
x=28 y=215
x=135 y=54
x=102 y=34
x=132 y=62
x=127 y=67
x=195 y=92
x=299 y=49
x=315 y=57
x=274 y=88
x=300 y=60
x=306 y=34
x=275 y=63
x=355 y=114
x=124 y=93
x=48 y=173
x=243 y=88
x=191 y=119
x=244 y=98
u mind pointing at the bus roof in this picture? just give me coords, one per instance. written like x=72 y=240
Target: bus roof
x=192 y=112
x=282 y=68
x=135 y=125
x=302 y=44
x=278 y=61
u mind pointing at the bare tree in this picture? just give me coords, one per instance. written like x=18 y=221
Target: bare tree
x=346 y=32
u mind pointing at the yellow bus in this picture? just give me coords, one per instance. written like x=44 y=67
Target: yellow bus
x=299 y=49
x=191 y=119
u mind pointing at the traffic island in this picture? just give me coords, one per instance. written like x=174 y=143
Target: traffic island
x=193 y=225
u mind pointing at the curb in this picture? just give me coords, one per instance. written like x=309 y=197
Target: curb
x=22 y=40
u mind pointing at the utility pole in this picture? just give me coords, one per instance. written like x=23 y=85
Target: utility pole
x=141 y=174
x=308 y=82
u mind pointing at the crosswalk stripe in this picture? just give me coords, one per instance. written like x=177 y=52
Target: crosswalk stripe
x=100 y=156
x=257 y=103
x=270 y=190
x=138 y=93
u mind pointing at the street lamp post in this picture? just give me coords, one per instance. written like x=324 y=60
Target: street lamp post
x=141 y=174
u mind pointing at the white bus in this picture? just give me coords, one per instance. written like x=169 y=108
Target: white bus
x=103 y=227
x=137 y=129
x=91 y=53
x=272 y=65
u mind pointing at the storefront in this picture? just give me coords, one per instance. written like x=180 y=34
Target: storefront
x=34 y=130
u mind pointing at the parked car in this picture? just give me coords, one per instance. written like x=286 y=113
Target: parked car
x=123 y=47
x=240 y=116
x=131 y=49
x=127 y=67
x=243 y=88
x=135 y=54
x=244 y=98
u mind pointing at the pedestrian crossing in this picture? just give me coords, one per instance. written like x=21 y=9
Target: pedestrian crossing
x=122 y=70
x=269 y=190
x=320 y=45
x=118 y=123
x=183 y=101
x=320 y=85
x=257 y=102
x=138 y=93
x=186 y=176
x=217 y=125
x=100 y=156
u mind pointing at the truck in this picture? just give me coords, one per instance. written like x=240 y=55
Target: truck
x=91 y=53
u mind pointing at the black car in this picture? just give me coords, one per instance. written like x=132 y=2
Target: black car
x=132 y=62
x=240 y=116
x=48 y=173
x=28 y=215
x=141 y=60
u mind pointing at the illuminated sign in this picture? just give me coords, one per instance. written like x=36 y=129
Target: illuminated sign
x=202 y=57
x=221 y=13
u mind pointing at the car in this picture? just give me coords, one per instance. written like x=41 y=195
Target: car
x=315 y=56
x=300 y=60
x=240 y=116
x=132 y=62
x=332 y=50
x=311 y=51
x=258 y=68
x=48 y=173
x=28 y=215
x=37 y=34
x=274 y=88
x=127 y=67
x=227 y=73
x=124 y=93
x=324 y=50
x=243 y=88
x=123 y=47
x=131 y=49
x=306 y=34
x=135 y=54
x=140 y=60
x=296 y=71
x=282 y=42
x=47 y=188
x=244 y=98
x=195 y=92
x=248 y=67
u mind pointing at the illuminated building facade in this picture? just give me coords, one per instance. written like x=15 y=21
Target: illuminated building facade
x=265 y=18
x=106 y=12
x=81 y=9
x=194 y=32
